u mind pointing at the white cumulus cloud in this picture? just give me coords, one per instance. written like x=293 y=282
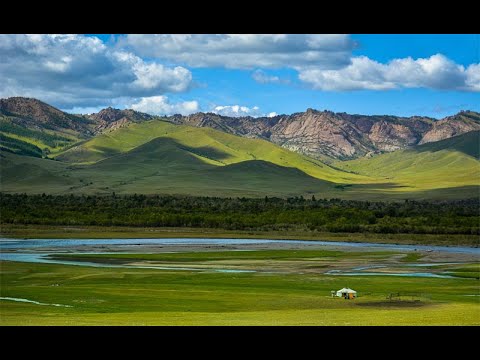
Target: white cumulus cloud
x=435 y=72
x=239 y=111
x=160 y=105
x=244 y=51
x=473 y=77
x=77 y=71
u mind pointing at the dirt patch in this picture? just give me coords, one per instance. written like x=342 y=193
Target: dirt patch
x=394 y=304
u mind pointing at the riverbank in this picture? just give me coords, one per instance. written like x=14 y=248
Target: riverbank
x=98 y=232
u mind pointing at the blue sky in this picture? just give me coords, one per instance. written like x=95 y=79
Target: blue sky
x=257 y=75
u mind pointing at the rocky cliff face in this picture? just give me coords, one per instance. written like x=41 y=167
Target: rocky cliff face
x=315 y=133
x=319 y=133
x=458 y=124
x=111 y=119
x=35 y=114
x=338 y=135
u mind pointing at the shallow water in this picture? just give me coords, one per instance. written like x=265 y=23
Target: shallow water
x=42 y=248
x=413 y=274
x=44 y=258
x=433 y=264
x=360 y=268
x=30 y=301
x=62 y=243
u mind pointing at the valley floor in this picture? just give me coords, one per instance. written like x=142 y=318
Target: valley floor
x=284 y=287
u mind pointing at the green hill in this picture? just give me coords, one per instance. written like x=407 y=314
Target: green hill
x=161 y=166
x=209 y=145
x=446 y=164
x=158 y=157
x=47 y=129
x=468 y=144
x=164 y=165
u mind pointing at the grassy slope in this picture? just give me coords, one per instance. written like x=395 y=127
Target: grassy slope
x=52 y=140
x=30 y=174
x=167 y=169
x=445 y=164
x=159 y=157
x=468 y=144
x=211 y=146
x=104 y=296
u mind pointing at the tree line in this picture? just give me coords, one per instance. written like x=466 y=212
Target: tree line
x=296 y=213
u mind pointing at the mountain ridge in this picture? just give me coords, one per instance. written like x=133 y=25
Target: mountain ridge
x=160 y=157
x=324 y=135
x=338 y=135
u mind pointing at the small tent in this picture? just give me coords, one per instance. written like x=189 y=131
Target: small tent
x=347 y=293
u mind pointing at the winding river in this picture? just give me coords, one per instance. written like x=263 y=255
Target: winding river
x=39 y=251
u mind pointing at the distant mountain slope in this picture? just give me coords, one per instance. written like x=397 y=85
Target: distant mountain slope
x=31 y=127
x=323 y=134
x=211 y=146
x=111 y=119
x=468 y=143
x=37 y=115
x=452 y=126
x=161 y=166
x=445 y=164
x=164 y=166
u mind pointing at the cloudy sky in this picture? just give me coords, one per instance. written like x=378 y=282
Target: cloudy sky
x=257 y=75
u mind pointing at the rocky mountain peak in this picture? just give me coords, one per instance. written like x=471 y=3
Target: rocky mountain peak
x=111 y=118
x=109 y=115
x=32 y=108
x=315 y=133
x=337 y=135
x=35 y=114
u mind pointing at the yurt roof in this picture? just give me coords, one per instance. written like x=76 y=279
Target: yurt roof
x=347 y=290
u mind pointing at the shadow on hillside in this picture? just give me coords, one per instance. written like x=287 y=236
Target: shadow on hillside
x=165 y=144
x=467 y=143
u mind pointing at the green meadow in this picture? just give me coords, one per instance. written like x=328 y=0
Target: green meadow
x=295 y=291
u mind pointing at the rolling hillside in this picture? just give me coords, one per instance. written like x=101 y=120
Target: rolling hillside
x=169 y=169
x=131 y=152
x=209 y=145
x=329 y=135
x=444 y=164
x=323 y=135
x=31 y=127
x=157 y=157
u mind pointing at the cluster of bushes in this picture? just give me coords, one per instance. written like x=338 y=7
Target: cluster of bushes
x=334 y=215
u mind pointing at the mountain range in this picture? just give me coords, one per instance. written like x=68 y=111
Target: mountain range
x=319 y=134
x=319 y=153
x=339 y=135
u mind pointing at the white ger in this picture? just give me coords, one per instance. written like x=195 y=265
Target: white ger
x=345 y=293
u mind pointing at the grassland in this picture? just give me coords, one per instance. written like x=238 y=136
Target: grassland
x=129 y=296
